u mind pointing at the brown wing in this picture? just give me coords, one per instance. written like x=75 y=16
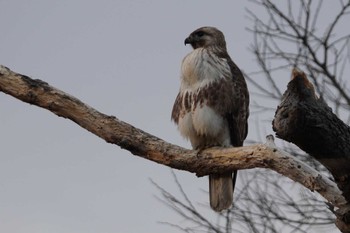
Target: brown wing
x=238 y=116
x=230 y=98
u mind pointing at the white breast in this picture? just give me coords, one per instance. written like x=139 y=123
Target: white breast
x=199 y=68
x=202 y=125
x=204 y=128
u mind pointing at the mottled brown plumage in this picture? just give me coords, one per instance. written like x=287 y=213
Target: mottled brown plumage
x=211 y=108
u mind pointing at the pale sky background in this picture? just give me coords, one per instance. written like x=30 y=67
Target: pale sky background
x=122 y=58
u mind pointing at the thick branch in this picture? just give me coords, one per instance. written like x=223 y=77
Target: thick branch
x=140 y=143
x=307 y=121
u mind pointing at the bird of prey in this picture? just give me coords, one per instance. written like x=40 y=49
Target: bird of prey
x=211 y=108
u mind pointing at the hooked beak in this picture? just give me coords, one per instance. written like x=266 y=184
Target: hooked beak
x=188 y=40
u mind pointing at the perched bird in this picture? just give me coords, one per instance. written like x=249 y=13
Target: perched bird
x=211 y=108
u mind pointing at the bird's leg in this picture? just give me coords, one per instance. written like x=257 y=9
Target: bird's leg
x=200 y=149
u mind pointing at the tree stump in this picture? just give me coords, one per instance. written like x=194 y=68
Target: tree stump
x=307 y=121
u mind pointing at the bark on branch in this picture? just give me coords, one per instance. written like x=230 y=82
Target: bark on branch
x=307 y=121
x=140 y=143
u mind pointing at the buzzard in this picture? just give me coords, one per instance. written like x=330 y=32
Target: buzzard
x=211 y=108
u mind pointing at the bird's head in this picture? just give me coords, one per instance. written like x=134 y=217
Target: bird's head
x=206 y=37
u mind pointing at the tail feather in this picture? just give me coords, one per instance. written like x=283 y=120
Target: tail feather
x=221 y=190
x=234 y=178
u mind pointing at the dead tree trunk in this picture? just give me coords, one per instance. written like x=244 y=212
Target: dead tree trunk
x=305 y=120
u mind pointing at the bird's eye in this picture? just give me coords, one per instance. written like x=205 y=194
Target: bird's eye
x=200 y=33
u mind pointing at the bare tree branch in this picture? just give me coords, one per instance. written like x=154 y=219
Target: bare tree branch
x=319 y=52
x=140 y=143
x=263 y=204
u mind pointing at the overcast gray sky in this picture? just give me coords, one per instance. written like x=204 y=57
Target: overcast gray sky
x=123 y=58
